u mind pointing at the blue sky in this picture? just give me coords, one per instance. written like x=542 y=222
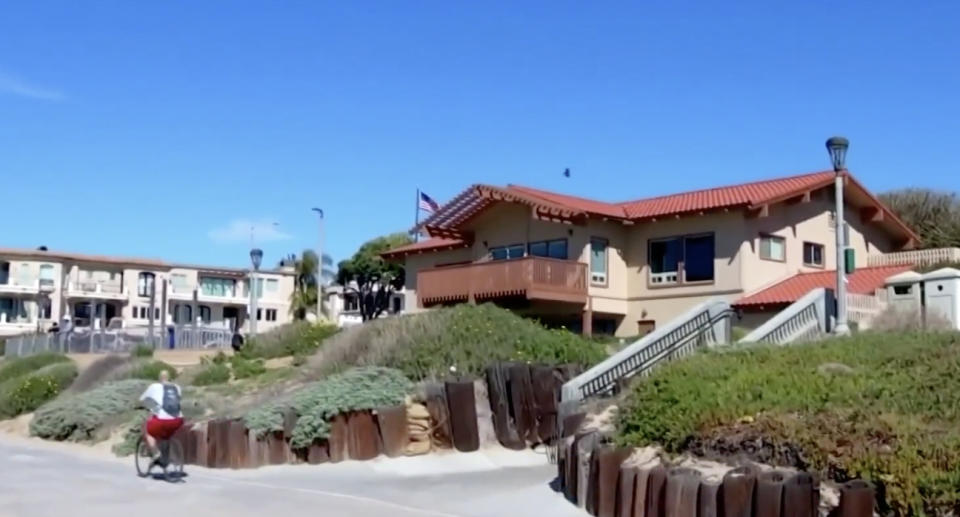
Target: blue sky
x=168 y=129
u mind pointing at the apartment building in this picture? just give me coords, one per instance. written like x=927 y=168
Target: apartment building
x=40 y=287
x=623 y=268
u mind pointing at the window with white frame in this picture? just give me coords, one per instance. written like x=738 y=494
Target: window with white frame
x=684 y=259
x=514 y=251
x=47 y=275
x=598 y=261
x=145 y=282
x=813 y=254
x=773 y=247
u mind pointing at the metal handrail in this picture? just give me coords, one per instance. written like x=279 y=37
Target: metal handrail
x=805 y=319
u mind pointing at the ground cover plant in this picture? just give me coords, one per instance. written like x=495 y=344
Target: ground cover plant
x=466 y=337
x=85 y=416
x=27 y=392
x=358 y=389
x=884 y=407
x=298 y=338
x=18 y=366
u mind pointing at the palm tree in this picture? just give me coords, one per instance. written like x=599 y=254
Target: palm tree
x=304 y=296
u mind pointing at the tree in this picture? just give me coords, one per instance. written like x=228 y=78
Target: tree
x=373 y=279
x=304 y=296
x=934 y=215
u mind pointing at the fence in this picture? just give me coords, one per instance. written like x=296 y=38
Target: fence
x=122 y=340
x=863 y=308
x=921 y=258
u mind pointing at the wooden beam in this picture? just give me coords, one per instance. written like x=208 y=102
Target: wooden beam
x=759 y=212
x=871 y=214
x=802 y=198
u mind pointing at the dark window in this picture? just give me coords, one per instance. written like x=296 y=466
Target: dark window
x=182 y=313
x=351 y=302
x=554 y=249
x=598 y=261
x=698 y=258
x=271 y=314
x=145 y=284
x=204 y=313
x=259 y=314
x=665 y=255
x=813 y=254
x=902 y=289
x=507 y=252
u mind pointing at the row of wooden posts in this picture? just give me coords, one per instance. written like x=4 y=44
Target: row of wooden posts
x=601 y=479
x=522 y=407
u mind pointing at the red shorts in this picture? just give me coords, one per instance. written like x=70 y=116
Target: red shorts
x=163 y=429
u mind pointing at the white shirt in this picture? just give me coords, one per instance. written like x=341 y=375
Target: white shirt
x=155 y=393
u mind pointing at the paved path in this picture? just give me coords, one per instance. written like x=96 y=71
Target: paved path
x=37 y=480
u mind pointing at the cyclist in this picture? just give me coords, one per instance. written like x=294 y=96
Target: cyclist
x=163 y=400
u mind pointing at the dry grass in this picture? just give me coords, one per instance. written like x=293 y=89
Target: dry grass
x=893 y=319
x=99 y=372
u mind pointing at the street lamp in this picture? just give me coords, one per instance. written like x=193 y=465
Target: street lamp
x=319 y=212
x=837 y=147
x=256 y=258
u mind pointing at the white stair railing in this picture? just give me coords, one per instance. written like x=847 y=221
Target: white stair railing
x=805 y=320
x=706 y=324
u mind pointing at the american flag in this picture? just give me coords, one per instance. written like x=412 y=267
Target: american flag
x=427 y=204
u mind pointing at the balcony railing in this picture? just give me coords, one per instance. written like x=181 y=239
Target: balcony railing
x=921 y=258
x=93 y=287
x=536 y=278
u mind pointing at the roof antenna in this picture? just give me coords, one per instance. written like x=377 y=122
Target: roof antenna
x=566 y=172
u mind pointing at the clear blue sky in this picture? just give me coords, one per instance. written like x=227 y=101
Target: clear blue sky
x=165 y=129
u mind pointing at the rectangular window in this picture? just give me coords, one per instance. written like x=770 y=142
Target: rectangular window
x=902 y=289
x=598 y=261
x=813 y=254
x=773 y=247
x=271 y=314
x=696 y=253
x=665 y=257
x=553 y=249
x=216 y=286
x=507 y=252
x=259 y=314
x=698 y=258
x=179 y=282
x=272 y=285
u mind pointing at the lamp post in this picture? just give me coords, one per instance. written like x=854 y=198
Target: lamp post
x=319 y=212
x=837 y=147
x=256 y=258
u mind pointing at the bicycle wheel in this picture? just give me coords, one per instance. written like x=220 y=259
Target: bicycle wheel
x=142 y=458
x=173 y=468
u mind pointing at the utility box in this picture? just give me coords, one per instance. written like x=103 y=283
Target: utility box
x=905 y=294
x=940 y=296
x=849 y=260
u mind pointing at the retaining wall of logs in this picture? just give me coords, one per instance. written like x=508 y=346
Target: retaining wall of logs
x=603 y=480
x=515 y=405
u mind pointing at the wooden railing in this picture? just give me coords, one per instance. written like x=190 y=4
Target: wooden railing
x=531 y=277
x=922 y=258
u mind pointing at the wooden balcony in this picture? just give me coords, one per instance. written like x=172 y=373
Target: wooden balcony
x=535 y=278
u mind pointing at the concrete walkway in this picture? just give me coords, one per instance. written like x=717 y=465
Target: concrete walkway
x=39 y=480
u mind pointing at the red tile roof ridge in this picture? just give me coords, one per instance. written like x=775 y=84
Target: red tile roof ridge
x=728 y=186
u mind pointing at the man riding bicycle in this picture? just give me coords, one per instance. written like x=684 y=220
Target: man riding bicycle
x=163 y=400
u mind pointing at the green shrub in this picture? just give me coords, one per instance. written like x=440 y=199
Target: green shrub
x=132 y=431
x=142 y=351
x=84 y=416
x=11 y=368
x=300 y=337
x=213 y=373
x=468 y=337
x=246 y=368
x=28 y=392
x=150 y=370
x=3 y=346
x=358 y=389
x=883 y=407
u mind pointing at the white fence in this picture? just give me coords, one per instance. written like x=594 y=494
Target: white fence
x=922 y=258
x=863 y=308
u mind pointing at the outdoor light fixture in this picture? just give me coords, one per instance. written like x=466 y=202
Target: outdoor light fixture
x=256 y=257
x=837 y=147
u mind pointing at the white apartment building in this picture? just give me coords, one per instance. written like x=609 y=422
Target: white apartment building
x=40 y=287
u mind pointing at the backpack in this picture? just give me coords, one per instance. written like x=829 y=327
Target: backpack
x=171 y=400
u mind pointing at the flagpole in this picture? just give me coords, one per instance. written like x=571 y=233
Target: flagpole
x=416 y=219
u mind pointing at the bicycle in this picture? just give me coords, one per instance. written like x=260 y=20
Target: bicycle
x=171 y=459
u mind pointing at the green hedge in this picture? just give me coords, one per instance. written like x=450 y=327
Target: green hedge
x=27 y=392
x=85 y=416
x=247 y=368
x=150 y=370
x=11 y=368
x=354 y=390
x=142 y=351
x=884 y=407
x=298 y=338
x=210 y=374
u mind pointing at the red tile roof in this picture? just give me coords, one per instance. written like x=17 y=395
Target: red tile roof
x=746 y=194
x=863 y=281
x=433 y=244
x=578 y=203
